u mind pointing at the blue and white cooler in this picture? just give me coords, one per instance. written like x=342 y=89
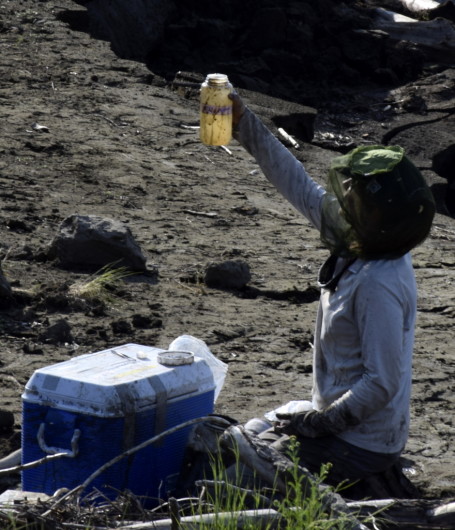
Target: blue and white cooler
x=97 y=406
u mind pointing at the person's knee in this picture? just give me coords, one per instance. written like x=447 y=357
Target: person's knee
x=240 y=475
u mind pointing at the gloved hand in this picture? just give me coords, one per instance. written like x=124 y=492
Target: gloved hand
x=333 y=420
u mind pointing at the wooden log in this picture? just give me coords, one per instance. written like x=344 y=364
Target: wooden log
x=437 y=35
x=418 y=6
x=443 y=515
x=410 y=514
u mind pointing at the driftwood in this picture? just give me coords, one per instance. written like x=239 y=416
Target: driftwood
x=436 y=35
x=416 y=6
x=419 y=6
x=409 y=514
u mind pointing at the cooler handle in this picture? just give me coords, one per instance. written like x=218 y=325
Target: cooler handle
x=71 y=453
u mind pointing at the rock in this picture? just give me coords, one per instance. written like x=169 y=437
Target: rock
x=6 y=293
x=141 y=321
x=5 y=289
x=121 y=327
x=91 y=242
x=6 y=421
x=58 y=333
x=443 y=164
x=132 y=27
x=231 y=274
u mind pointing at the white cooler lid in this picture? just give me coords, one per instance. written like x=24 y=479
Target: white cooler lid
x=119 y=381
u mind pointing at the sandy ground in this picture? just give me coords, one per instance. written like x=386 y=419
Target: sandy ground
x=119 y=144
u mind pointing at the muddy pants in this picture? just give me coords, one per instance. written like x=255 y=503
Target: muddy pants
x=348 y=462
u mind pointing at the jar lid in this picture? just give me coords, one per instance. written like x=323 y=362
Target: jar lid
x=217 y=79
x=175 y=358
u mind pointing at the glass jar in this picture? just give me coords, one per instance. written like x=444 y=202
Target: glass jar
x=216 y=110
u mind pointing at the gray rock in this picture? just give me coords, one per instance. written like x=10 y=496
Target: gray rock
x=231 y=274
x=91 y=242
x=5 y=289
x=58 y=333
x=6 y=421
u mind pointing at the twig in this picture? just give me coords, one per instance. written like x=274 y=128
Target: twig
x=174 y=513
x=201 y=214
x=243 y=518
x=288 y=138
x=33 y=464
x=204 y=484
x=198 y=290
x=228 y=151
x=112 y=122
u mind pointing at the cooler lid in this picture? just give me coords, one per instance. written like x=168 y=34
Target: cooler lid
x=119 y=380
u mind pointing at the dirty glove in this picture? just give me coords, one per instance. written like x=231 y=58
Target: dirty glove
x=332 y=420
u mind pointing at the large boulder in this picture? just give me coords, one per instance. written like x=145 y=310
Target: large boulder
x=132 y=27
x=91 y=242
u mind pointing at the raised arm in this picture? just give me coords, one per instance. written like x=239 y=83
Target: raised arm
x=277 y=163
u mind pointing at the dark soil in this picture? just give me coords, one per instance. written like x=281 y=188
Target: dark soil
x=119 y=143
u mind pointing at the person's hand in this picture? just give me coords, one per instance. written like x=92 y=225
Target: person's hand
x=238 y=108
x=299 y=423
x=333 y=420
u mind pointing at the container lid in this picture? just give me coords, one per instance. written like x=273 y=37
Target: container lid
x=175 y=357
x=217 y=79
x=118 y=381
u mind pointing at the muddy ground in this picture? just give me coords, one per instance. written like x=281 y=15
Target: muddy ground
x=118 y=142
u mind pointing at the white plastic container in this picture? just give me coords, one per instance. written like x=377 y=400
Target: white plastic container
x=98 y=405
x=200 y=349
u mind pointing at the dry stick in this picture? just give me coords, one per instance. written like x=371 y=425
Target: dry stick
x=225 y=485
x=127 y=453
x=33 y=464
x=228 y=151
x=245 y=518
x=288 y=138
x=201 y=214
x=174 y=512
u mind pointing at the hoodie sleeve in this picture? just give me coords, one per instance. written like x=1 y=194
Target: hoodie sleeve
x=281 y=168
